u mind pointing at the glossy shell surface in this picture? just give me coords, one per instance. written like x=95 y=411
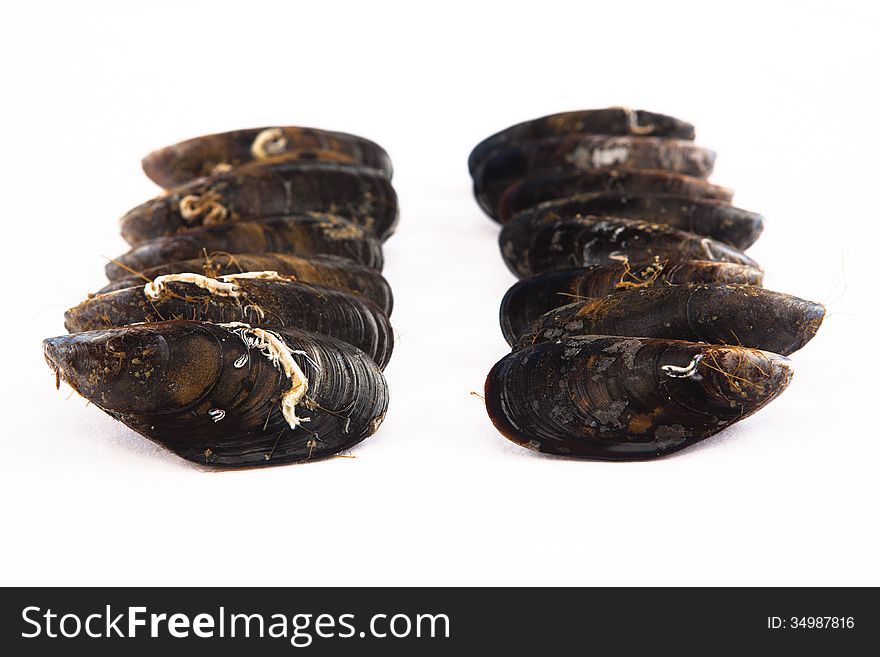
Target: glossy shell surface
x=534 y=190
x=506 y=165
x=266 y=303
x=332 y=271
x=202 y=392
x=363 y=196
x=531 y=297
x=605 y=121
x=617 y=398
x=201 y=156
x=721 y=314
x=532 y=245
x=716 y=219
x=304 y=236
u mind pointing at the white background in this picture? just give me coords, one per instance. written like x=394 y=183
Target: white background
x=785 y=92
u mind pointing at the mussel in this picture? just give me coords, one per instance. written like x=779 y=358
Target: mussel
x=303 y=235
x=507 y=164
x=332 y=271
x=248 y=325
x=203 y=156
x=361 y=195
x=744 y=316
x=260 y=298
x=533 y=190
x=618 y=398
x=227 y=395
x=716 y=219
x=640 y=327
x=535 y=244
x=606 y=121
x=531 y=297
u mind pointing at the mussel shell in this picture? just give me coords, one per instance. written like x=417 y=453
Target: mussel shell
x=609 y=398
x=507 y=164
x=534 y=190
x=331 y=271
x=605 y=121
x=531 y=297
x=268 y=303
x=177 y=164
x=170 y=381
x=305 y=235
x=532 y=245
x=722 y=314
x=716 y=219
x=363 y=196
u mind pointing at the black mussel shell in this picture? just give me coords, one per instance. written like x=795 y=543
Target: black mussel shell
x=363 y=196
x=744 y=316
x=305 y=235
x=534 y=190
x=508 y=164
x=201 y=156
x=271 y=302
x=534 y=245
x=332 y=271
x=716 y=219
x=622 y=399
x=531 y=297
x=606 y=121
x=211 y=395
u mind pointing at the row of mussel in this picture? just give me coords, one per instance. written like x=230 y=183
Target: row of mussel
x=639 y=326
x=248 y=323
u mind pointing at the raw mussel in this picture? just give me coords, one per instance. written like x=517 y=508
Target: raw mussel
x=716 y=219
x=605 y=121
x=535 y=244
x=531 y=297
x=203 y=156
x=738 y=315
x=332 y=271
x=304 y=235
x=508 y=164
x=363 y=196
x=227 y=395
x=533 y=190
x=265 y=298
x=618 y=398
